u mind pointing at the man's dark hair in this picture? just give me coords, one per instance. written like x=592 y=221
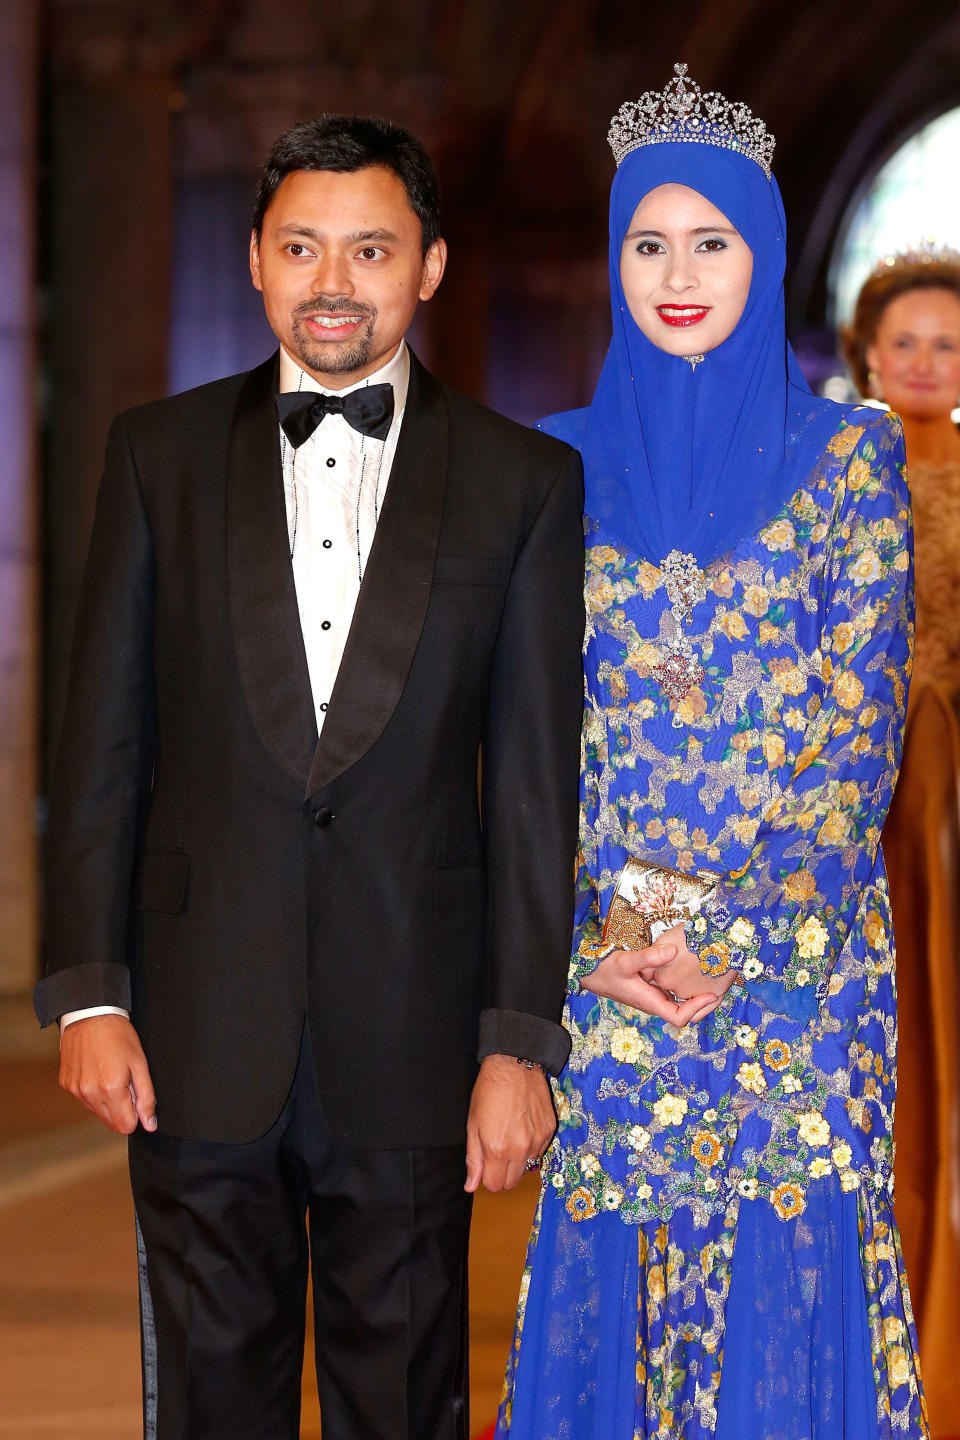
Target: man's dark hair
x=347 y=143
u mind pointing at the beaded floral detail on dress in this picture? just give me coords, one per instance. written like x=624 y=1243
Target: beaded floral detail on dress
x=768 y=756
x=775 y=1110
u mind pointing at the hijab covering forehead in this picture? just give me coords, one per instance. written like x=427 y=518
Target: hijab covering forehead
x=697 y=458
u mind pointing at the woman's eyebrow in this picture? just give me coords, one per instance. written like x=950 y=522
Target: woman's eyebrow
x=697 y=230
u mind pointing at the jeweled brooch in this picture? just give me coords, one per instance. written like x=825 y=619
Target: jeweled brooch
x=679 y=670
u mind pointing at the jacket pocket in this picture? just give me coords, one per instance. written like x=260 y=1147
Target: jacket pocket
x=460 y=896
x=163 y=881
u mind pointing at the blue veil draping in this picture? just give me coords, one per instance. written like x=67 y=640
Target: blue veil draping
x=698 y=458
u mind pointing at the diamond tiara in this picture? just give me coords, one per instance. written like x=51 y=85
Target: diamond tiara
x=926 y=252
x=681 y=112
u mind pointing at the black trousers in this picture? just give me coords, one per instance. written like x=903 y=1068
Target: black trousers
x=225 y=1232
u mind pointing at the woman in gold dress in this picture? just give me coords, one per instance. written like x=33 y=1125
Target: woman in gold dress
x=904 y=348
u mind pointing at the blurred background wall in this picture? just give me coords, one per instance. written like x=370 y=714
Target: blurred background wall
x=130 y=135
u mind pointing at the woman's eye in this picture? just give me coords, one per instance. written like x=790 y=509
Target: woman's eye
x=650 y=247
x=712 y=245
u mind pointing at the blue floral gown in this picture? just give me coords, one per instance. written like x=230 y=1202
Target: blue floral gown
x=717 y=1201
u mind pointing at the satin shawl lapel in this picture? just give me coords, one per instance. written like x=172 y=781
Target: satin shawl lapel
x=263 y=600
x=393 y=599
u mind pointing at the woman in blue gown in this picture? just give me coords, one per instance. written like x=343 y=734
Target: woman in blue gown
x=715 y=1253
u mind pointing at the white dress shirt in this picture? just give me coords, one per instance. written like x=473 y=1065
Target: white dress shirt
x=334 y=486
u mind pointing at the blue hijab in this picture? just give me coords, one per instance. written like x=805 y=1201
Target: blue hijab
x=696 y=459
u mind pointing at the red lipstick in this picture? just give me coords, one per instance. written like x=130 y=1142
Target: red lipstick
x=683 y=315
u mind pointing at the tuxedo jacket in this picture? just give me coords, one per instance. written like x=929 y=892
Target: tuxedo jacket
x=226 y=876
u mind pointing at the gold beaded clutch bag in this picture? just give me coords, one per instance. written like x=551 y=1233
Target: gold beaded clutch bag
x=650 y=898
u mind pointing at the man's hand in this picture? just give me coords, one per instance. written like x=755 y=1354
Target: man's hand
x=511 y=1121
x=103 y=1065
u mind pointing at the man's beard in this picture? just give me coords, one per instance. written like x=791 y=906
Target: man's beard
x=333 y=358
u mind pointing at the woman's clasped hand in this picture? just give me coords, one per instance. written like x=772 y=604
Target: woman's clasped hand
x=664 y=980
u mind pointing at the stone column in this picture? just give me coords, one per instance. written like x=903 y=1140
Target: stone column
x=19 y=629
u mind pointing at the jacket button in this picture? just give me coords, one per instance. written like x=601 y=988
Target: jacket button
x=323 y=816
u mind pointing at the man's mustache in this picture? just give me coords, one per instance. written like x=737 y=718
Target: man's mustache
x=333 y=305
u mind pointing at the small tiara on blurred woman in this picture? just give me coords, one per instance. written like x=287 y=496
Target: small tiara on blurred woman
x=715 y=1253
x=903 y=347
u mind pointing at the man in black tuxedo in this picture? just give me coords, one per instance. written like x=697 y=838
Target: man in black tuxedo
x=293 y=954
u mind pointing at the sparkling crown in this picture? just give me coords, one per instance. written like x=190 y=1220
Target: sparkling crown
x=925 y=252
x=682 y=112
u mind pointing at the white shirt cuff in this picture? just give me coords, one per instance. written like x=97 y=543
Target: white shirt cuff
x=71 y=1015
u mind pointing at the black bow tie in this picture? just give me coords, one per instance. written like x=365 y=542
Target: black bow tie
x=369 y=410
